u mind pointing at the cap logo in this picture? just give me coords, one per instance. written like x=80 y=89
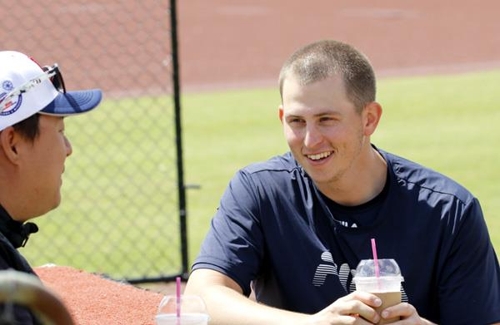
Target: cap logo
x=7 y=85
x=13 y=104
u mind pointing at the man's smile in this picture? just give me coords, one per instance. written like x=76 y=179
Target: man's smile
x=319 y=156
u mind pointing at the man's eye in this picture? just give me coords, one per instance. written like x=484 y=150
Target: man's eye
x=327 y=119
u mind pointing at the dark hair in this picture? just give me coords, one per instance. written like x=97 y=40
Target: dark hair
x=326 y=58
x=29 y=127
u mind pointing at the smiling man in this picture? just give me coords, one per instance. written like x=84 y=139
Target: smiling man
x=295 y=227
x=33 y=150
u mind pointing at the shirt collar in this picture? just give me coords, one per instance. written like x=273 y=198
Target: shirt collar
x=16 y=232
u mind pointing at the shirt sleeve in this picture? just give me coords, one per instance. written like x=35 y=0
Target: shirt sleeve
x=234 y=242
x=469 y=290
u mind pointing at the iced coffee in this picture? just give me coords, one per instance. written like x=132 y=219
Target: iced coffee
x=383 y=280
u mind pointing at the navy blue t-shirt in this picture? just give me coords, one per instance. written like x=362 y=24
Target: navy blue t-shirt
x=274 y=230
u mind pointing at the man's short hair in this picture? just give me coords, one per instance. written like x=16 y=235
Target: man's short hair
x=327 y=58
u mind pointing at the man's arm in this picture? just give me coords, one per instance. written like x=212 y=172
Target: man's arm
x=227 y=305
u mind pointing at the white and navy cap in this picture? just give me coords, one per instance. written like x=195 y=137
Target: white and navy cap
x=26 y=89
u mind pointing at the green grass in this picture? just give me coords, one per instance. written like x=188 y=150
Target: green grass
x=448 y=123
x=119 y=211
x=224 y=132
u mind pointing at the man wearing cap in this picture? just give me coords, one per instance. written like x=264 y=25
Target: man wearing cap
x=33 y=149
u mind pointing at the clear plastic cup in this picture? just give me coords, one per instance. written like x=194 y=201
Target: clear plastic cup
x=387 y=286
x=192 y=311
x=185 y=319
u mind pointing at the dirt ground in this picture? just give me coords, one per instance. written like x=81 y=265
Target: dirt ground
x=228 y=44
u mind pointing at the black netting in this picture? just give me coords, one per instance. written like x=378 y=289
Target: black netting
x=120 y=199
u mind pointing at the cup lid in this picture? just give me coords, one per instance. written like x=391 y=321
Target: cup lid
x=387 y=267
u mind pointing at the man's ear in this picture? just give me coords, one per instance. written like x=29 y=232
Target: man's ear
x=9 y=140
x=371 y=117
x=280 y=113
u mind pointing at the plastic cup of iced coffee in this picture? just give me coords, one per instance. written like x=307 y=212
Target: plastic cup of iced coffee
x=383 y=280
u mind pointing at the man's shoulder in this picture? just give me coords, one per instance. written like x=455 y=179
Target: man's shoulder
x=281 y=163
x=277 y=172
x=410 y=173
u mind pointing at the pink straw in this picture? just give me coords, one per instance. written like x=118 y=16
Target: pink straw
x=178 y=296
x=375 y=258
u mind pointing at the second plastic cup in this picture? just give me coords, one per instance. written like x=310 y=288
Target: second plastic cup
x=190 y=311
x=185 y=319
x=387 y=286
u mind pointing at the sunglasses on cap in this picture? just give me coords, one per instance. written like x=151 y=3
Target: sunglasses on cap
x=50 y=73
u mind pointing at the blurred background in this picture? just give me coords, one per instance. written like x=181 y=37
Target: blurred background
x=123 y=213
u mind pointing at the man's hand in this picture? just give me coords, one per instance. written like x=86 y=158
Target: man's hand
x=356 y=308
x=407 y=313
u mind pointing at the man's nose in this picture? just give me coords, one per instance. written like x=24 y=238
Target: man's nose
x=313 y=136
x=69 y=147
